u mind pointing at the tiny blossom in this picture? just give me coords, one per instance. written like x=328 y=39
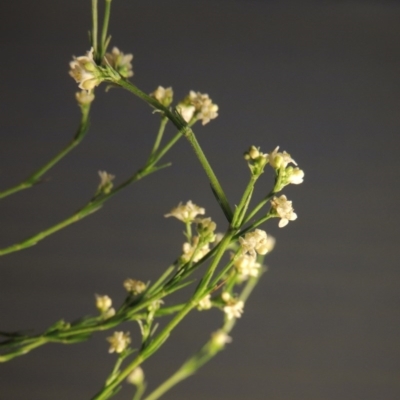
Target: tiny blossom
x=85 y=72
x=119 y=341
x=109 y=313
x=120 y=62
x=134 y=286
x=103 y=303
x=284 y=209
x=246 y=266
x=205 y=109
x=255 y=241
x=234 y=309
x=295 y=175
x=280 y=160
x=84 y=97
x=136 y=377
x=190 y=249
x=220 y=338
x=206 y=228
x=163 y=95
x=205 y=303
x=186 y=110
x=226 y=296
x=186 y=212
x=105 y=182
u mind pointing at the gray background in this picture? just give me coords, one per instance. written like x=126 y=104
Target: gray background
x=321 y=79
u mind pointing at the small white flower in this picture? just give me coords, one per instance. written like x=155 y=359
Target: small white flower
x=105 y=182
x=84 y=97
x=205 y=303
x=136 y=377
x=226 y=296
x=109 y=313
x=186 y=212
x=234 y=309
x=119 y=341
x=163 y=95
x=280 y=160
x=192 y=248
x=186 y=111
x=84 y=71
x=205 y=109
x=134 y=286
x=220 y=338
x=120 y=62
x=206 y=228
x=246 y=266
x=284 y=210
x=255 y=241
x=103 y=303
x=295 y=176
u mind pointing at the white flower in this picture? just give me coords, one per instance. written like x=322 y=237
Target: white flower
x=246 y=266
x=103 y=303
x=284 y=209
x=84 y=71
x=120 y=62
x=84 y=97
x=136 y=377
x=119 y=341
x=134 y=286
x=220 y=338
x=206 y=110
x=280 y=160
x=109 y=313
x=255 y=241
x=186 y=111
x=192 y=248
x=164 y=96
x=234 y=309
x=105 y=182
x=205 y=303
x=186 y=212
x=295 y=175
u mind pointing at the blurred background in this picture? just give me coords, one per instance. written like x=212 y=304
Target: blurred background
x=319 y=78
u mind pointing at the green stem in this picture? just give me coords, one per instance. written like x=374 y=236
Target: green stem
x=208 y=351
x=107 y=11
x=244 y=202
x=35 y=178
x=94 y=28
x=259 y=206
x=186 y=131
x=160 y=134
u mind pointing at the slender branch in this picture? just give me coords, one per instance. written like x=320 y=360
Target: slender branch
x=107 y=11
x=35 y=177
x=94 y=27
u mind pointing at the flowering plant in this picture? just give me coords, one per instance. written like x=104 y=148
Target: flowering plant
x=231 y=260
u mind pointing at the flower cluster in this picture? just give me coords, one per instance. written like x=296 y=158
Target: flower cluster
x=134 y=286
x=256 y=241
x=198 y=105
x=194 y=251
x=256 y=160
x=186 y=212
x=205 y=303
x=246 y=266
x=283 y=209
x=163 y=95
x=233 y=307
x=103 y=304
x=85 y=71
x=119 y=341
x=120 y=62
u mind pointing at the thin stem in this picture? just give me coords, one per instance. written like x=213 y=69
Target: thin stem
x=208 y=351
x=183 y=128
x=35 y=177
x=258 y=207
x=163 y=123
x=107 y=11
x=94 y=27
x=244 y=202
